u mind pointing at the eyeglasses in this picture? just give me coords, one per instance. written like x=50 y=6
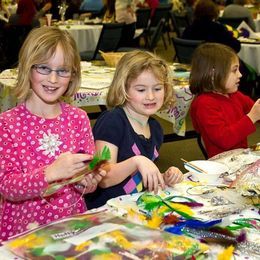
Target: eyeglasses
x=45 y=70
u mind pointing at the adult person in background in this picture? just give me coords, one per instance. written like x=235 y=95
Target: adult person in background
x=125 y=13
x=153 y=4
x=205 y=27
x=73 y=9
x=91 y=6
x=20 y=24
x=42 y=8
x=189 y=9
x=237 y=9
x=28 y=12
x=110 y=12
x=55 y=9
x=4 y=13
x=25 y=13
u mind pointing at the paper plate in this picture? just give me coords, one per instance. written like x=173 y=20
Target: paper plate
x=213 y=171
x=210 y=167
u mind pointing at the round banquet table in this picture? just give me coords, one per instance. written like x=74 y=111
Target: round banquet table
x=86 y=36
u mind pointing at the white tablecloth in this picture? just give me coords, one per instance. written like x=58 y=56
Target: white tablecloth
x=250 y=53
x=86 y=36
x=257 y=24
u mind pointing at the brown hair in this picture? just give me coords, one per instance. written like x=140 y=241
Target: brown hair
x=206 y=9
x=210 y=66
x=39 y=47
x=130 y=66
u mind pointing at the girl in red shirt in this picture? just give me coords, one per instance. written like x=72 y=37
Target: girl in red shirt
x=220 y=113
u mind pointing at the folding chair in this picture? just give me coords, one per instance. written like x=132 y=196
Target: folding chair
x=179 y=22
x=108 y=41
x=162 y=11
x=184 y=49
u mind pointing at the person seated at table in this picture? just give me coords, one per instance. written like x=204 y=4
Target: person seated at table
x=222 y=115
x=141 y=87
x=152 y=4
x=92 y=8
x=27 y=13
x=237 y=9
x=125 y=13
x=91 y=5
x=73 y=9
x=110 y=12
x=205 y=27
x=4 y=12
x=26 y=10
x=40 y=138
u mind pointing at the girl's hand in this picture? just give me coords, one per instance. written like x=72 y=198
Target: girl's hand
x=152 y=177
x=254 y=113
x=172 y=176
x=90 y=182
x=66 y=166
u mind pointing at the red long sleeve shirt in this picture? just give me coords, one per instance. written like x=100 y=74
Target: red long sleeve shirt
x=222 y=121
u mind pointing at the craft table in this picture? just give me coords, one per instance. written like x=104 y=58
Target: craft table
x=229 y=208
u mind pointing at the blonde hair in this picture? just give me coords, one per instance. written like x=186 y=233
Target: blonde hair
x=39 y=46
x=130 y=66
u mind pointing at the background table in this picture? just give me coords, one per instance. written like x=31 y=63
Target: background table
x=250 y=53
x=86 y=36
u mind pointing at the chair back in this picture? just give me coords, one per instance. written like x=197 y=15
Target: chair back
x=142 y=17
x=179 y=22
x=184 y=49
x=109 y=38
x=162 y=11
x=233 y=21
x=157 y=34
x=202 y=147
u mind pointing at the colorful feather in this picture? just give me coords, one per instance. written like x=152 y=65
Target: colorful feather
x=151 y=202
x=226 y=254
x=100 y=158
x=97 y=160
x=195 y=224
x=211 y=236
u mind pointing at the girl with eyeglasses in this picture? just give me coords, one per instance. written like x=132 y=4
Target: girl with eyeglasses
x=41 y=137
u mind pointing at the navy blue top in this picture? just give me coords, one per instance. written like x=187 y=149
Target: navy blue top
x=113 y=127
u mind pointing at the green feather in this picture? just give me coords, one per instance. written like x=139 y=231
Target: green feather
x=100 y=157
x=149 y=202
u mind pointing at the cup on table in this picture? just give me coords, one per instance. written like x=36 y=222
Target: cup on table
x=48 y=19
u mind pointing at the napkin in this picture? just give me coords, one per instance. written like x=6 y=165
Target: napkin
x=246 y=31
